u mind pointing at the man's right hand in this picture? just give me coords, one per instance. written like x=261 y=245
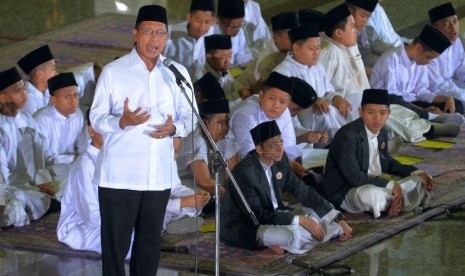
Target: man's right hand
x=132 y=118
x=318 y=233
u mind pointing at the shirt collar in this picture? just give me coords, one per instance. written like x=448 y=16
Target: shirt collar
x=405 y=59
x=300 y=66
x=370 y=134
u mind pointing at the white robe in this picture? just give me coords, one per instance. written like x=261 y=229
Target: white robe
x=257 y=32
x=22 y=166
x=185 y=49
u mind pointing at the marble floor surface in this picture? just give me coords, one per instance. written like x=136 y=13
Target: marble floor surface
x=435 y=247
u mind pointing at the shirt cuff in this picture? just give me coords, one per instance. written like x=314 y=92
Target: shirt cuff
x=417 y=172
x=329 y=217
x=390 y=185
x=296 y=220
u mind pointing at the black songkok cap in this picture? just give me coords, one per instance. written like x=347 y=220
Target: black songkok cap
x=307 y=16
x=264 y=131
x=231 y=9
x=9 y=77
x=441 y=11
x=209 y=87
x=303 y=32
x=152 y=13
x=35 y=58
x=218 y=41
x=303 y=94
x=60 y=81
x=202 y=5
x=279 y=81
x=434 y=39
x=375 y=96
x=368 y=5
x=334 y=16
x=283 y=21
x=214 y=106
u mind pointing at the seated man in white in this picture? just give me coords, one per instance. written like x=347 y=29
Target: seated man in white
x=303 y=63
x=358 y=157
x=446 y=73
x=230 y=20
x=39 y=65
x=403 y=72
x=27 y=182
x=186 y=44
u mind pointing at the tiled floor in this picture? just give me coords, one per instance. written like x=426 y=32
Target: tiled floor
x=433 y=248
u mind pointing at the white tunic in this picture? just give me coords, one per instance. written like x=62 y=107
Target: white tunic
x=240 y=50
x=35 y=99
x=61 y=143
x=22 y=165
x=395 y=72
x=130 y=158
x=185 y=49
x=257 y=32
x=446 y=73
x=377 y=37
x=196 y=148
x=79 y=223
x=249 y=115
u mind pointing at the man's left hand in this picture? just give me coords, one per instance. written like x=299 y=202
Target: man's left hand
x=166 y=129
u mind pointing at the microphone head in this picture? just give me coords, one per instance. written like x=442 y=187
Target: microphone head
x=167 y=62
x=289 y=259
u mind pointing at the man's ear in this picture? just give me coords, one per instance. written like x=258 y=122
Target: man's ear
x=337 y=34
x=360 y=112
x=188 y=16
x=258 y=149
x=53 y=99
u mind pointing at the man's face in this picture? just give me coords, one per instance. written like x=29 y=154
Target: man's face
x=230 y=26
x=274 y=102
x=374 y=116
x=220 y=60
x=271 y=150
x=199 y=23
x=348 y=36
x=449 y=27
x=282 y=41
x=294 y=109
x=425 y=57
x=151 y=37
x=14 y=96
x=307 y=53
x=218 y=126
x=361 y=17
x=65 y=100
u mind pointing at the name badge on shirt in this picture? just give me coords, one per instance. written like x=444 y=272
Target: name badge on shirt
x=279 y=175
x=383 y=145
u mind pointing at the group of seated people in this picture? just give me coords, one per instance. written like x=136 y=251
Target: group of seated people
x=304 y=84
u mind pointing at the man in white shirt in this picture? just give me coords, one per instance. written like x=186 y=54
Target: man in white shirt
x=447 y=72
x=26 y=181
x=39 y=65
x=186 y=44
x=358 y=157
x=138 y=108
x=230 y=20
x=403 y=72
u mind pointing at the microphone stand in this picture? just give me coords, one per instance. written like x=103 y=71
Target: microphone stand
x=219 y=163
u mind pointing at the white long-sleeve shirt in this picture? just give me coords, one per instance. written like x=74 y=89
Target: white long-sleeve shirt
x=257 y=32
x=241 y=53
x=35 y=99
x=131 y=158
x=185 y=49
x=21 y=151
x=395 y=72
x=249 y=115
x=446 y=73
x=61 y=134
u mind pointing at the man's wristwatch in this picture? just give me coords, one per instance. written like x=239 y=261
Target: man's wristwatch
x=338 y=218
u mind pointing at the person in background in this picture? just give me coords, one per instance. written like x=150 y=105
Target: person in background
x=186 y=44
x=256 y=30
x=39 y=65
x=138 y=108
x=263 y=176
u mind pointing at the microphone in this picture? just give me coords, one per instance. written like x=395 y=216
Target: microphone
x=176 y=249
x=168 y=64
x=290 y=260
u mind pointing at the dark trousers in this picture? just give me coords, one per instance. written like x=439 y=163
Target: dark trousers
x=123 y=211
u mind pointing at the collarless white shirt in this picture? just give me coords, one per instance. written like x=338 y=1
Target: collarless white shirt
x=131 y=158
x=269 y=177
x=374 y=167
x=35 y=99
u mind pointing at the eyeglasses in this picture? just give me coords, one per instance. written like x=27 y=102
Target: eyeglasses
x=159 y=33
